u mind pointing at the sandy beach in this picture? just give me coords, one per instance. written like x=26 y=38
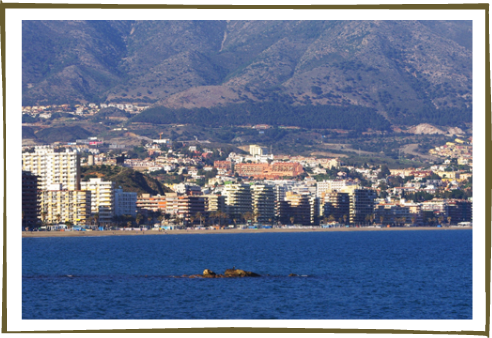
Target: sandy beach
x=223 y=231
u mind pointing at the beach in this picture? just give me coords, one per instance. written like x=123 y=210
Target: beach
x=222 y=231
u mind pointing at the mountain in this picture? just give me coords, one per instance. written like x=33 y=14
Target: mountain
x=408 y=71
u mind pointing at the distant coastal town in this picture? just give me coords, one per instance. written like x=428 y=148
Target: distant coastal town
x=65 y=186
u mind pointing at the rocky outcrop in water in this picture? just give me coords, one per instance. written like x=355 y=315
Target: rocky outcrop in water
x=229 y=273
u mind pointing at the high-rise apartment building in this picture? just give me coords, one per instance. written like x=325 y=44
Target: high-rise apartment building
x=295 y=209
x=237 y=200
x=30 y=199
x=102 y=198
x=53 y=167
x=361 y=205
x=125 y=203
x=336 y=204
x=263 y=202
x=60 y=206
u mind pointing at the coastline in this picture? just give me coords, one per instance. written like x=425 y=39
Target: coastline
x=38 y=234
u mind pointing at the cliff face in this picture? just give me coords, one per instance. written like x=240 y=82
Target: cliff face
x=397 y=67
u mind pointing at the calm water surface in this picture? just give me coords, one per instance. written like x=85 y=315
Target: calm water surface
x=342 y=275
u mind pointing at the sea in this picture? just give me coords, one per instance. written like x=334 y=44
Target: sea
x=418 y=274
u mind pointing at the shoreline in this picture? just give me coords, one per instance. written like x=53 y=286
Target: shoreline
x=38 y=234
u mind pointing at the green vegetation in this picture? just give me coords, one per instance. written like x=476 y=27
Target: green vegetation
x=272 y=113
x=64 y=134
x=126 y=178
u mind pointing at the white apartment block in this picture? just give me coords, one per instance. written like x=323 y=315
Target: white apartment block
x=337 y=185
x=125 y=203
x=257 y=150
x=102 y=198
x=60 y=206
x=53 y=167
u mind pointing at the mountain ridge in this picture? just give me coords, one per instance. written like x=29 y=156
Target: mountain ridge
x=400 y=68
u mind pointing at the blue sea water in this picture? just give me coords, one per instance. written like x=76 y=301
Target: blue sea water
x=342 y=275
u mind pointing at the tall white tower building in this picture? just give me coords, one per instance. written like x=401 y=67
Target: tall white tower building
x=102 y=198
x=53 y=167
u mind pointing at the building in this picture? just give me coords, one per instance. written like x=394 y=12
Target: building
x=237 y=200
x=214 y=203
x=460 y=211
x=102 y=198
x=53 y=167
x=191 y=209
x=337 y=205
x=257 y=150
x=60 y=206
x=147 y=202
x=125 y=203
x=269 y=171
x=30 y=201
x=392 y=213
x=295 y=209
x=263 y=203
x=361 y=205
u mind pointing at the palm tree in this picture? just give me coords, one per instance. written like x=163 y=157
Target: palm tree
x=43 y=217
x=248 y=216
x=96 y=219
x=138 y=219
x=344 y=219
x=256 y=215
x=222 y=216
x=292 y=219
x=198 y=216
x=449 y=220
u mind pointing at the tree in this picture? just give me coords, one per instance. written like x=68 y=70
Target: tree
x=248 y=216
x=198 y=216
x=345 y=219
x=138 y=219
x=449 y=220
x=96 y=219
x=43 y=217
x=292 y=219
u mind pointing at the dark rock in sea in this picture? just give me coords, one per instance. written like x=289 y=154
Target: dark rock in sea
x=239 y=273
x=229 y=273
x=209 y=274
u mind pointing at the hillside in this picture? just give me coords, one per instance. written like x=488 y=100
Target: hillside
x=408 y=71
x=126 y=178
x=64 y=134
